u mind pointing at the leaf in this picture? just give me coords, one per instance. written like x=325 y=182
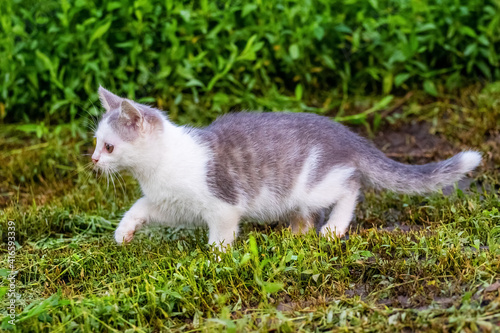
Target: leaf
x=253 y=246
x=343 y=28
x=99 y=32
x=382 y=104
x=113 y=5
x=3 y=291
x=186 y=15
x=328 y=61
x=374 y=4
x=57 y=105
x=485 y=69
x=426 y=27
x=35 y=309
x=470 y=49
x=294 y=51
x=387 y=83
x=356 y=37
x=298 y=92
x=245 y=259
x=366 y=254
x=468 y=31
x=377 y=120
x=46 y=62
x=430 y=88
x=319 y=32
x=400 y=78
x=272 y=287
x=44 y=317
x=229 y=65
x=194 y=83
x=413 y=42
x=397 y=56
x=454 y=80
x=27 y=128
x=248 y=8
x=248 y=53
x=483 y=40
x=467 y=296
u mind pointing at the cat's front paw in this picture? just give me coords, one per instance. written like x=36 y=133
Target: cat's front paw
x=124 y=235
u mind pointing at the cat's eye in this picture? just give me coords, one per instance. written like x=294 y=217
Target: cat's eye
x=109 y=148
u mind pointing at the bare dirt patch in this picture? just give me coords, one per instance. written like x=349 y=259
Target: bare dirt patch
x=413 y=143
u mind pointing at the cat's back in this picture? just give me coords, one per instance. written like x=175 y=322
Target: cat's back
x=254 y=150
x=266 y=120
x=269 y=135
x=272 y=127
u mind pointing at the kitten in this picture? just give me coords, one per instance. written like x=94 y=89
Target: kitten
x=265 y=166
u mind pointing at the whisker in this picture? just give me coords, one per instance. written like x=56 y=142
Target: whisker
x=89 y=173
x=91 y=119
x=100 y=174
x=119 y=179
x=81 y=169
x=107 y=179
x=94 y=118
x=113 y=182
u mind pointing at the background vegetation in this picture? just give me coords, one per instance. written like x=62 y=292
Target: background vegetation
x=200 y=58
x=422 y=75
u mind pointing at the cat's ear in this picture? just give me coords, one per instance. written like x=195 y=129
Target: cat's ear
x=131 y=114
x=109 y=100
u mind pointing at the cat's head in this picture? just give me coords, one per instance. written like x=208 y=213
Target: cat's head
x=125 y=133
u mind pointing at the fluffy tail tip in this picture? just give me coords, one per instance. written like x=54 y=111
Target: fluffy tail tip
x=469 y=160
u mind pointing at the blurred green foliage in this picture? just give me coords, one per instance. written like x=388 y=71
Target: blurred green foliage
x=198 y=59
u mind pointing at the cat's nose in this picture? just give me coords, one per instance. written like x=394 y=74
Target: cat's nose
x=95 y=160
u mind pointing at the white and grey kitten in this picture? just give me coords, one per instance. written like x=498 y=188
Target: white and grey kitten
x=264 y=166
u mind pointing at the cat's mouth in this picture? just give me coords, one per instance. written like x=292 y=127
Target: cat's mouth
x=100 y=167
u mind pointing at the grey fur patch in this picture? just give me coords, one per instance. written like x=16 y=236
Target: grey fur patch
x=252 y=151
x=383 y=172
x=129 y=129
x=321 y=217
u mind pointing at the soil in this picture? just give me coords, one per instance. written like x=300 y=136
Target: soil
x=412 y=143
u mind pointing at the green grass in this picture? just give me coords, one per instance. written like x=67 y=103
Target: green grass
x=410 y=263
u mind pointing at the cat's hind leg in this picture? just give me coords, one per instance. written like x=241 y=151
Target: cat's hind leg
x=300 y=224
x=342 y=214
x=223 y=227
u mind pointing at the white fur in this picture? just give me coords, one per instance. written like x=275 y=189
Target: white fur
x=469 y=160
x=171 y=169
x=342 y=214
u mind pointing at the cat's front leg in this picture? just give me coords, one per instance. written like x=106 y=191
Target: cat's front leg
x=138 y=215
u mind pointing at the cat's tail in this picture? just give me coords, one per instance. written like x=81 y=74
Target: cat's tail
x=383 y=172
